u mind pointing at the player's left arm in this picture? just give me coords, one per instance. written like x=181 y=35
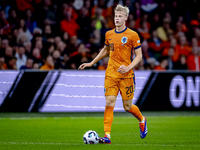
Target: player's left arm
x=123 y=69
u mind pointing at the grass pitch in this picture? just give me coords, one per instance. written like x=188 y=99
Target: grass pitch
x=36 y=131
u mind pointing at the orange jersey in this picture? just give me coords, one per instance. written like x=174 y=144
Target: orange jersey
x=121 y=46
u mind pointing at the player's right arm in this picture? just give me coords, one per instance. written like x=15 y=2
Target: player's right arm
x=103 y=53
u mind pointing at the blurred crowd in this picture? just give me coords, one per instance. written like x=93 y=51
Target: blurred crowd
x=62 y=34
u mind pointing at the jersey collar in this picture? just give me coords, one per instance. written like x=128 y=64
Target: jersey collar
x=121 y=31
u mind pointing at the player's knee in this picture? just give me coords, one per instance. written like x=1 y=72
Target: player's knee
x=110 y=101
x=127 y=107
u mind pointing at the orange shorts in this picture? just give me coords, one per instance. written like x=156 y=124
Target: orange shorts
x=112 y=86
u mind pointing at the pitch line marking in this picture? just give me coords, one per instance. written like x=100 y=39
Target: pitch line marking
x=28 y=118
x=32 y=143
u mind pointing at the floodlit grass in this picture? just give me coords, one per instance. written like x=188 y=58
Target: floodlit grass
x=22 y=131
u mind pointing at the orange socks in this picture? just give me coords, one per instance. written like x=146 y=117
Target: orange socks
x=108 y=119
x=136 y=112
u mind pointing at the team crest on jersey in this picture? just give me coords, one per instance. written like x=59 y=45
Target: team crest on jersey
x=124 y=40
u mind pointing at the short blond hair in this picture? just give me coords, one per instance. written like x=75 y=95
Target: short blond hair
x=122 y=8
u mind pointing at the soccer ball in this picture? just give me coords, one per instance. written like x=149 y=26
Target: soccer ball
x=91 y=137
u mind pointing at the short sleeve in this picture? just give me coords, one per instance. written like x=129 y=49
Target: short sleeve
x=136 y=41
x=106 y=40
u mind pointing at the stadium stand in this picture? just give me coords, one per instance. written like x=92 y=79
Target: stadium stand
x=75 y=31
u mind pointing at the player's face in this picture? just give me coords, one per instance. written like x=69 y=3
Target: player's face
x=120 y=18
